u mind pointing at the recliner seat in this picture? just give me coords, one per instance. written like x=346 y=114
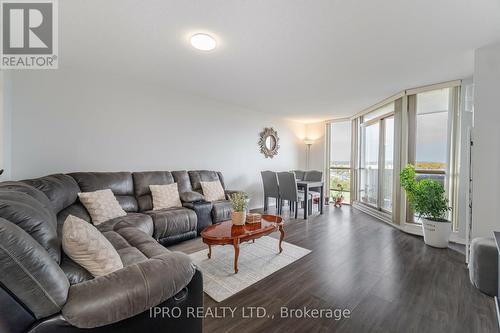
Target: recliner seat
x=222 y=208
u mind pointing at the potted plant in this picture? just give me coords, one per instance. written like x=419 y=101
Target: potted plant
x=239 y=203
x=428 y=199
x=339 y=197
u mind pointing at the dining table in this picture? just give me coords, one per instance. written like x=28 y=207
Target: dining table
x=306 y=186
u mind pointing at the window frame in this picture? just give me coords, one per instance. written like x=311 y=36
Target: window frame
x=328 y=168
x=401 y=136
x=381 y=154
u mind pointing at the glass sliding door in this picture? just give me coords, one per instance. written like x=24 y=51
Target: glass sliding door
x=340 y=159
x=376 y=158
x=368 y=178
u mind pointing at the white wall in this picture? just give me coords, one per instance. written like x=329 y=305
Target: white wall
x=486 y=150
x=316 y=132
x=64 y=121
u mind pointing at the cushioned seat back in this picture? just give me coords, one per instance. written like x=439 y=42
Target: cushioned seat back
x=120 y=183
x=182 y=179
x=198 y=176
x=31 y=210
x=29 y=272
x=62 y=190
x=142 y=180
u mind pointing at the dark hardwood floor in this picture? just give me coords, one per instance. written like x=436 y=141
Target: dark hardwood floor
x=391 y=282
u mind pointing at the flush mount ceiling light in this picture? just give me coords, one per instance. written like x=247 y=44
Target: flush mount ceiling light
x=203 y=42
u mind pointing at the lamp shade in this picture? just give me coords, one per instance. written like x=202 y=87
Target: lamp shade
x=308 y=141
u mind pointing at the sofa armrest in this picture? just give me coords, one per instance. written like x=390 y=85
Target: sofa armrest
x=127 y=292
x=191 y=196
x=203 y=210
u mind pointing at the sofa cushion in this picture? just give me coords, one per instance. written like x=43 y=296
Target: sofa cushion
x=198 y=176
x=172 y=221
x=74 y=272
x=213 y=191
x=142 y=180
x=191 y=196
x=33 y=276
x=35 y=218
x=181 y=177
x=140 y=221
x=120 y=183
x=129 y=291
x=31 y=191
x=165 y=196
x=221 y=210
x=76 y=209
x=86 y=246
x=101 y=205
x=139 y=240
x=61 y=189
x=131 y=255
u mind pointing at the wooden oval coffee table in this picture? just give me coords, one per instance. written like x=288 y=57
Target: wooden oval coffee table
x=225 y=233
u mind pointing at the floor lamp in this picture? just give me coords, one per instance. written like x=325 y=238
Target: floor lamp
x=308 y=143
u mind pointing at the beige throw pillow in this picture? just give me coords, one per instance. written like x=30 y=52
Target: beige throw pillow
x=86 y=246
x=101 y=205
x=213 y=191
x=165 y=196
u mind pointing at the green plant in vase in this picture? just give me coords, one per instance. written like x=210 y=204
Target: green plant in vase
x=428 y=199
x=339 y=197
x=239 y=202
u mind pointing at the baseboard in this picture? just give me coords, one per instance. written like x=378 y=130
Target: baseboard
x=409 y=228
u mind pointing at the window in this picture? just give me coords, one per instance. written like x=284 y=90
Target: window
x=418 y=126
x=387 y=177
x=429 y=139
x=340 y=160
x=368 y=189
x=376 y=158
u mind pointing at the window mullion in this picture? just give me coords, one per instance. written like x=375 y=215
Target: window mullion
x=381 y=155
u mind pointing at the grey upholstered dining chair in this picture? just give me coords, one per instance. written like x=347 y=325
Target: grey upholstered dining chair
x=299 y=174
x=314 y=176
x=271 y=188
x=288 y=192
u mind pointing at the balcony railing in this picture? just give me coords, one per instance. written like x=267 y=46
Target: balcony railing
x=340 y=175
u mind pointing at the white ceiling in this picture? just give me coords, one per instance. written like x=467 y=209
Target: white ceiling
x=305 y=60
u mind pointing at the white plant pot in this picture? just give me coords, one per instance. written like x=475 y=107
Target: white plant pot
x=239 y=218
x=436 y=234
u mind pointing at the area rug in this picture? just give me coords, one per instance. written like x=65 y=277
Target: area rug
x=256 y=261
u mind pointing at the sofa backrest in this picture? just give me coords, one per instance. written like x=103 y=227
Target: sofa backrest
x=29 y=209
x=29 y=271
x=62 y=190
x=120 y=183
x=181 y=177
x=142 y=180
x=198 y=176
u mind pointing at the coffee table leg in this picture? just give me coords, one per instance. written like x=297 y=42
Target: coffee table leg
x=209 y=251
x=236 y=244
x=282 y=235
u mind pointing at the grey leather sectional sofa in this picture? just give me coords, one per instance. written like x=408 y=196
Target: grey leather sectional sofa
x=42 y=290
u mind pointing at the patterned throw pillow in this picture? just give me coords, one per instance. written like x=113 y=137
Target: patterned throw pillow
x=213 y=191
x=101 y=205
x=165 y=196
x=86 y=246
